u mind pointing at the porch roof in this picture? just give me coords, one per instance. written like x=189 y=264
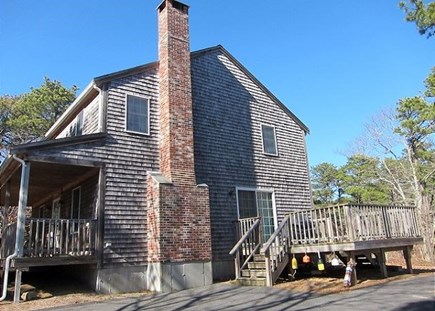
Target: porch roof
x=46 y=180
x=49 y=175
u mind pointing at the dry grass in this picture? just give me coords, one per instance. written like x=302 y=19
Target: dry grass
x=367 y=276
x=53 y=292
x=48 y=300
x=330 y=285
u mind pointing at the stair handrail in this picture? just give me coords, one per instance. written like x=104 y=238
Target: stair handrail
x=276 y=260
x=236 y=249
x=266 y=246
x=245 y=236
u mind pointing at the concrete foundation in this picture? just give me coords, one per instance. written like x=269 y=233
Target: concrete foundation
x=223 y=270
x=121 y=279
x=171 y=276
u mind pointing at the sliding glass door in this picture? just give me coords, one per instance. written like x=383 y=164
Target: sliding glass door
x=258 y=203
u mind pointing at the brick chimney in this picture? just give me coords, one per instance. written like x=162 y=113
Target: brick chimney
x=179 y=233
x=175 y=92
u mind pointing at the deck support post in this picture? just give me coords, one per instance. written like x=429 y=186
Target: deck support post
x=17 y=289
x=407 y=255
x=354 y=278
x=382 y=263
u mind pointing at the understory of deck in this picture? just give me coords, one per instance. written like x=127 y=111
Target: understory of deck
x=63 y=260
x=387 y=244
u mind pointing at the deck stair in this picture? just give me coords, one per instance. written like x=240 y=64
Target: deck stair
x=255 y=273
x=258 y=263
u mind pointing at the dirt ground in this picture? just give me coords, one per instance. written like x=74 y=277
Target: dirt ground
x=55 y=292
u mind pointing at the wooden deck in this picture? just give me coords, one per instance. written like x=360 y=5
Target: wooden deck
x=49 y=242
x=350 y=229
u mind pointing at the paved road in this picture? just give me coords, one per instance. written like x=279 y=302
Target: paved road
x=416 y=293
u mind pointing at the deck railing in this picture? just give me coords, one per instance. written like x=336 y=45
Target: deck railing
x=248 y=244
x=53 y=237
x=351 y=223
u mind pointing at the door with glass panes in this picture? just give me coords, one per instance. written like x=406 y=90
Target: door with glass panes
x=258 y=203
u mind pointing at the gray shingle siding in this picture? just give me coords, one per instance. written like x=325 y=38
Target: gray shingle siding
x=91 y=116
x=127 y=158
x=229 y=109
x=90 y=120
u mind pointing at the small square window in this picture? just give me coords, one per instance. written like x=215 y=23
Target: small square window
x=137 y=116
x=269 y=140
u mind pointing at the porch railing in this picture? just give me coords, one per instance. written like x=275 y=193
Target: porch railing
x=53 y=237
x=8 y=240
x=249 y=243
x=352 y=223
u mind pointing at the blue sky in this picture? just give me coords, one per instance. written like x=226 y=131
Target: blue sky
x=334 y=63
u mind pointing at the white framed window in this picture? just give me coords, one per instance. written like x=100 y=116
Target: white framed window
x=75 y=203
x=137 y=115
x=76 y=128
x=258 y=203
x=268 y=135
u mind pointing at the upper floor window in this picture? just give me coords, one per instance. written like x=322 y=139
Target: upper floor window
x=269 y=140
x=76 y=128
x=137 y=115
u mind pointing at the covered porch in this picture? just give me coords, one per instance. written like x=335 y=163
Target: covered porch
x=50 y=212
x=58 y=226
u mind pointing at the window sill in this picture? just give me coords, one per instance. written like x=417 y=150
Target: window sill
x=137 y=133
x=271 y=154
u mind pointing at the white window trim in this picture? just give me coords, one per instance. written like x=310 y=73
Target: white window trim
x=126 y=112
x=269 y=190
x=41 y=211
x=55 y=201
x=72 y=202
x=262 y=140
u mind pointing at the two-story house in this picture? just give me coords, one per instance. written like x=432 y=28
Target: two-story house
x=141 y=181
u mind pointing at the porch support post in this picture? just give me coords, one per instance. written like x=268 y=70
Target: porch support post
x=382 y=263
x=6 y=207
x=407 y=255
x=21 y=219
x=100 y=216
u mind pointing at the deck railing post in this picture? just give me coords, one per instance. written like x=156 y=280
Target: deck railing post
x=386 y=222
x=349 y=222
x=237 y=264
x=268 y=269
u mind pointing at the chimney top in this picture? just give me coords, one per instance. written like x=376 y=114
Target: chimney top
x=176 y=4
